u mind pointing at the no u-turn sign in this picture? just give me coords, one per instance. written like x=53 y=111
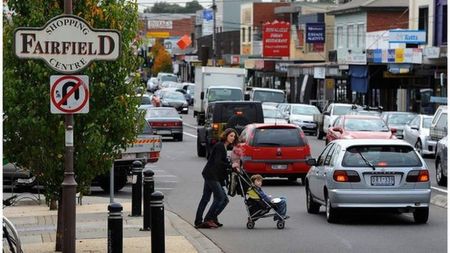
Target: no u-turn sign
x=69 y=94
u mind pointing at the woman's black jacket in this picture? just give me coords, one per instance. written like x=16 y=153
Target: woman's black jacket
x=216 y=167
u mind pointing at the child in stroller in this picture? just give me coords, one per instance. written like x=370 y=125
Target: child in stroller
x=259 y=204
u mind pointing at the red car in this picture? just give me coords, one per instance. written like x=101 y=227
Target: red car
x=359 y=127
x=274 y=150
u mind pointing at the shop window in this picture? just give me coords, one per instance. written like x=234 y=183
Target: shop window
x=360 y=36
x=444 y=25
x=423 y=21
x=340 y=37
x=243 y=34
x=350 y=36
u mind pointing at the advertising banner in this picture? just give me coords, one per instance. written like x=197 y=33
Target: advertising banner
x=276 y=39
x=315 y=32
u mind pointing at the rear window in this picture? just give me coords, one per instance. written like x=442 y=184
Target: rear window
x=156 y=113
x=381 y=156
x=249 y=111
x=276 y=137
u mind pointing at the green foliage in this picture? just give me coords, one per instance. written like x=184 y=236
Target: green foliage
x=164 y=7
x=32 y=136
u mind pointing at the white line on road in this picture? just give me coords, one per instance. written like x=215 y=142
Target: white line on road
x=438 y=189
x=189 y=125
x=191 y=135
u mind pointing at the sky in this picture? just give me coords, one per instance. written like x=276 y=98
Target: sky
x=143 y=4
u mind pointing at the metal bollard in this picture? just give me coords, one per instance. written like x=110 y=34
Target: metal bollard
x=136 y=190
x=149 y=188
x=115 y=228
x=158 y=233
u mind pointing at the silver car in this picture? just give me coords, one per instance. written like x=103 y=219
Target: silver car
x=417 y=133
x=441 y=162
x=378 y=174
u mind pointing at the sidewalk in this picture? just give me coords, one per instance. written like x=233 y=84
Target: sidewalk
x=36 y=225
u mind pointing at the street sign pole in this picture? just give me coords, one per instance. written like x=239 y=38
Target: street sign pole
x=69 y=184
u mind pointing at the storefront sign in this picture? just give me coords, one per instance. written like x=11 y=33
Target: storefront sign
x=276 y=39
x=315 y=32
x=399 y=55
x=407 y=36
x=67 y=43
x=431 y=52
x=159 y=24
x=319 y=72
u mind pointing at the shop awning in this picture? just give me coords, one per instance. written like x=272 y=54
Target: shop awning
x=358 y=78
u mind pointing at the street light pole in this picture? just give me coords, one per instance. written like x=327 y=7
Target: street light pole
x=214 y=34
x=69 y=185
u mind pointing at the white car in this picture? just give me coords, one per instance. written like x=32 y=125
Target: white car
x=152 y=84
x=330 y=114
x=302 y=115
x=417 y=133
x=273 y=116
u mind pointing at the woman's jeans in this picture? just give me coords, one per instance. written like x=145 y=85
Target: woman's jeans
x=280 y=208
x=219 y=203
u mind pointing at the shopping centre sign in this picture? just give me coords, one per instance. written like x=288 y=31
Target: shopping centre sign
x=67 y=43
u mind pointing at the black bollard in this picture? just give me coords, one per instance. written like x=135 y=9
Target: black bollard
x=149 y=188
x=136 y=190
x=115 y=228
x=158 y=233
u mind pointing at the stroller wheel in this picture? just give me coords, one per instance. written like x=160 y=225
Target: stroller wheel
x=250 y=225
x=280 y=224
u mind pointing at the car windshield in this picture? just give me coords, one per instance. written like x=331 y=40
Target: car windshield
x=426 y=122
x=272 y=113
x=304 y=110
x=400 y=119
x=169 y=78
x=341 y=109
x=224 y=94
x=174 y=96
x=277 y=137
x=381 y=156
x=162 y=112
x=370 y=125
x=268 y=96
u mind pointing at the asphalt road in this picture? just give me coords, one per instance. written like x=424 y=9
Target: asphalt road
x=178 y=176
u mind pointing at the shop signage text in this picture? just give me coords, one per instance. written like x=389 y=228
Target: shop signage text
x=315 y=33
x=407 y=36
x=276 y=39
x=160 y=24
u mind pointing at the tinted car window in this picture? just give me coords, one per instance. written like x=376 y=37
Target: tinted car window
x=442 y=121
x=382 y=155
x=274 y=137
x=322 y=156
x=426 y=123
x=247 y=111
x=268 y=96
x=341 y=109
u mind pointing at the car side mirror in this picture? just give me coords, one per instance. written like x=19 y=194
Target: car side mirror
x=311 y=162
x=202 y=95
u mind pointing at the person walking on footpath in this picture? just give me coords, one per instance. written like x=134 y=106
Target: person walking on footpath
x=215 y=174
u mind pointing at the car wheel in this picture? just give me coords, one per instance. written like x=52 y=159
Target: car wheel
x=418 y=147
x=319 y=134
x=440 y=178
x=331 y=212
x=201 y=151
x=421 y=215
x=311 y=205
x=303 y=178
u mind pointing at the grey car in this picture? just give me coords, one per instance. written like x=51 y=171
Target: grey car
x=441 y=162
x=165 y=121
x=397 y=120
x=375 y=174
x=417 y=133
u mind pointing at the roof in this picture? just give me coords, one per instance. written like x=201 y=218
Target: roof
x=357 y=142
x=359 y=5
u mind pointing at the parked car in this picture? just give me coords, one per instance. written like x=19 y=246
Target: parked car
x=186 y=95
x=226 y=114
x=417 y=133
x=302 y=115
x=438 y=128
x=441 y=162
x=273 y=115
x=165 y=121
x=176 y=100
x=329 y=115
x=152 y=84
x=359 y=127
x=162 y=77
x=274 y=150
x=398 y=121
x=375 y=174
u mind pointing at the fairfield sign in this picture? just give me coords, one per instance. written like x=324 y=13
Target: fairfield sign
x=67 y=44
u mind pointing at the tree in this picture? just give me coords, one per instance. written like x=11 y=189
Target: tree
x=162 y=62
x=32 y=136
x=164 y=7
x=192 y=7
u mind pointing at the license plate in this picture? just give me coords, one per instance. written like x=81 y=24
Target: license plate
x=382 y=180
x=164 y=132
x=279 y=166
x=128 y=156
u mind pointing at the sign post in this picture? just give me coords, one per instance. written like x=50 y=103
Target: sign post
x=68 y=45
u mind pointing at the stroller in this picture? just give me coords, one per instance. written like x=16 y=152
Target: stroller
x=256 y=209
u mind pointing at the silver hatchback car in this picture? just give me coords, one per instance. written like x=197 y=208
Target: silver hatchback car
x=384 y=174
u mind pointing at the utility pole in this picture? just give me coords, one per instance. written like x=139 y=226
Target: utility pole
x=214 y=7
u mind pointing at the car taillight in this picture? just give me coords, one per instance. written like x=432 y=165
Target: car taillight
x=418 y=176
x=216 y=127
x=346 y=176
x=178 y=123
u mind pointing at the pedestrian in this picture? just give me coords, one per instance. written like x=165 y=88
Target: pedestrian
x=215 y=174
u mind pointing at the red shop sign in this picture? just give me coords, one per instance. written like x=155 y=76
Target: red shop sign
x=276 y=39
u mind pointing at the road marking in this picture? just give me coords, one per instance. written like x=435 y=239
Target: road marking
x=191 y=135
x=438 y=189
x=164 y=176
x=189 y=125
